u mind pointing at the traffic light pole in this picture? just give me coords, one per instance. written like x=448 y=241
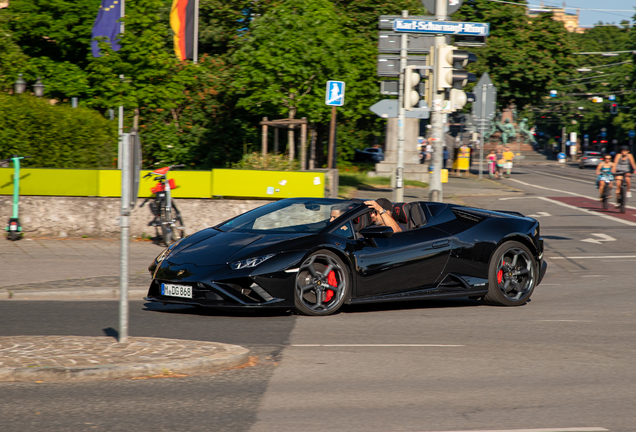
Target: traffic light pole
x=435 y=182
x=398 y=192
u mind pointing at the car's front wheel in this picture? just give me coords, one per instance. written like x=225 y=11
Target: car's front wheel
x=512 y=275
x=322 y=284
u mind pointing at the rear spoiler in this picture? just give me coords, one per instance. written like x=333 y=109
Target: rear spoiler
x=514 y=213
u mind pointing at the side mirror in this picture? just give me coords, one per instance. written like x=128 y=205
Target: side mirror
x=377 y=232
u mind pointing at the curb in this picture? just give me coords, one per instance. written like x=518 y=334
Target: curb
x=227 y=356
x=88 y=293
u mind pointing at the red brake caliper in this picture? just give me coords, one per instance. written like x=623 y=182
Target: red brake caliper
x=331 y=280
x=500 y=272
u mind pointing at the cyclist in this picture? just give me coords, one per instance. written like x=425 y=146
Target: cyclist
x=623 y=166
x=604 y=172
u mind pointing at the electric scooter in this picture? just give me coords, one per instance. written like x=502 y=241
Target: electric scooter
x=14 y=229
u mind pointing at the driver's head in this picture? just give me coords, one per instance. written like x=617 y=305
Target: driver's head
x=386 y=205
x=624 y=150
x=335 y=214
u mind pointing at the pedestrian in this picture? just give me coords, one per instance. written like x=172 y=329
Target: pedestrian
x=500 y=164
x=446 y=157
x=508 y=156
x=492 y=163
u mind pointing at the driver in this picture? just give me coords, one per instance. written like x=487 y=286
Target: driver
x=381 y=213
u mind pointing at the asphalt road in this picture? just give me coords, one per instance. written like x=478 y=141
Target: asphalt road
x=565 y=360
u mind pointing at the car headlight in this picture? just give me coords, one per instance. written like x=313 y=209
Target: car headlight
x=250 y=262
x=163 y=255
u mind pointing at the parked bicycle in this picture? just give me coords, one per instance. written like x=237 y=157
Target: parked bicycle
x=14 y=229
x=163 y=207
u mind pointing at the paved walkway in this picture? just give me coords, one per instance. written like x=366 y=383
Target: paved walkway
x=71 y=358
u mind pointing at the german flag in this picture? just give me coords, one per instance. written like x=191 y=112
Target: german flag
x=182 y=23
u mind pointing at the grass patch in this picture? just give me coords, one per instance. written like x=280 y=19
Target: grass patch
x=351 y=181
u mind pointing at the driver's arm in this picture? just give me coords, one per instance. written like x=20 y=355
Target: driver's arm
x=389 y=221
x=615 y=162
x=631 y=160
x=598 y=169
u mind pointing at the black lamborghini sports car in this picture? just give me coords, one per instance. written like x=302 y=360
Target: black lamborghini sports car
x=314 y=255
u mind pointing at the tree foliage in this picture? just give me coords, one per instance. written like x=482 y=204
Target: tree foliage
x=524 y=56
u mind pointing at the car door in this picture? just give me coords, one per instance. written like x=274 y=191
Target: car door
x=405 y=261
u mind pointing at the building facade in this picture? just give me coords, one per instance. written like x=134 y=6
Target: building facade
x=569 y=20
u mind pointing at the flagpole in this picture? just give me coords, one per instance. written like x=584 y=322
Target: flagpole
x=120 y=120
x=195 y=48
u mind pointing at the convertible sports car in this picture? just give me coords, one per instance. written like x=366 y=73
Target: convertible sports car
x=314 y=255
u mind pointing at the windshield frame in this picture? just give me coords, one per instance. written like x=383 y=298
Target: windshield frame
x=248 y=218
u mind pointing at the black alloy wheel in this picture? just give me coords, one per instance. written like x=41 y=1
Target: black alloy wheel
x=322 y=284
x=512 y=275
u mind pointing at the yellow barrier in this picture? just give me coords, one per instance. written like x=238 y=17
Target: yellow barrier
x=190 y=184
x=267 y=184
x=47 y=182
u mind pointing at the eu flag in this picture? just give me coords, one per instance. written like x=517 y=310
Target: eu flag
x=106 y=24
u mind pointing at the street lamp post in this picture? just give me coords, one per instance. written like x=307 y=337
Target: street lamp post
x=20 y=85
x=38 y=88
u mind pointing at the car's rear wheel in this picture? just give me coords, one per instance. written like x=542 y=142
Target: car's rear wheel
x=322 y=284
x=512 y=275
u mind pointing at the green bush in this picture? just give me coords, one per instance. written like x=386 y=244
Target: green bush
x=273 y=162
x=55 y=136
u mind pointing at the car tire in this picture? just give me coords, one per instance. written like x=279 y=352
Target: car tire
x=314 y=293
x=581 y=167
x=512 y=275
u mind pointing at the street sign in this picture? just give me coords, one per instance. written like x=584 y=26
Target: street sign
x=631 y=134
x=389 y=42
x=441 y=27
x=612 y=97
x=335 y=93
x=603 y=134
x=389 y=65
x=386 y=21
x=485 y=103
x=451 y=8
x=388 y=108
x=553 y=93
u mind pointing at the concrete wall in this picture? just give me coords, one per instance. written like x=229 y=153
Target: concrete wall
x=99 y=216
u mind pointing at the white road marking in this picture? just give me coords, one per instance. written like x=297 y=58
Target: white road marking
x=615 y=219
x=593 y=257
x=601 y=238
x=374 y=345
x=565 y=321
x=574 y=429
x=539 y=214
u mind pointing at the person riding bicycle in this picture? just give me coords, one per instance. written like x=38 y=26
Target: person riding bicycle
x=623 y=166
x=604 y=174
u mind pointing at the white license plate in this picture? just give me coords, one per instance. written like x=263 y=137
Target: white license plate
x=176 y=290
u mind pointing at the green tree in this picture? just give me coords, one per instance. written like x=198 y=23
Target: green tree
x=525 y=57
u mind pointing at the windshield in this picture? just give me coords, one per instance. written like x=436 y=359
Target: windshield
x=307 y=215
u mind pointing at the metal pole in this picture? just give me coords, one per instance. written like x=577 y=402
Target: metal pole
x=435 y=183
x=563 y=140
x=482 y=119
x=121 y=129
x=398 y=193
x=122 y=13
x=125 y=234
x=195 y=42
x=332 y=137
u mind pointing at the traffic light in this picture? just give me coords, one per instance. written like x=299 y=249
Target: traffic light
x=613 y=108
x=449 y=66
x=411 y=87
